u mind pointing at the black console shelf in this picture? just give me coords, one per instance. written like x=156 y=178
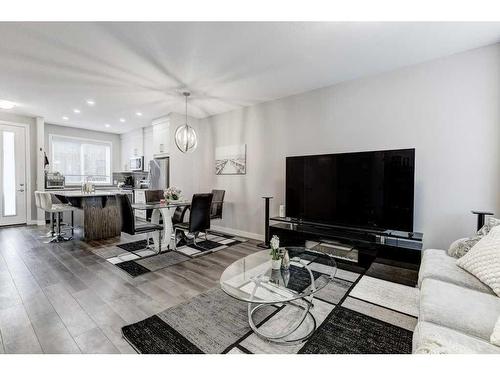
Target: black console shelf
x=386 y=246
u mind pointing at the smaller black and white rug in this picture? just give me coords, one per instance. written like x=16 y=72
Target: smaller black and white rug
x=138 y=260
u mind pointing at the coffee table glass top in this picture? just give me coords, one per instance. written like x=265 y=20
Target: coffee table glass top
x=252 y=279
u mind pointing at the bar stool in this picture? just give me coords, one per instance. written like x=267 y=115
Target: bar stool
x=39 y=206
x=44 y=200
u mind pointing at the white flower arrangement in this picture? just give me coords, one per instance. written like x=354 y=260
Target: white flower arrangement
x=172 y=193
x=275 y=248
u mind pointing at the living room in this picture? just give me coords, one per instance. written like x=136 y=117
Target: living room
x=189 y=186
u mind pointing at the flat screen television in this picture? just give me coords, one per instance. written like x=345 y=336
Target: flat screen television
x=372 y=190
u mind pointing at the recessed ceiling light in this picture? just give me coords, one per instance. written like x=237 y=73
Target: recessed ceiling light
x=107 y=125
x=65 y=118
x=122 y=120
x=76 y=110
x=138 y=113
x=7 y=104
x=90 y=102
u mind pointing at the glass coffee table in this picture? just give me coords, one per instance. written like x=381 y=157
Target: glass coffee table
x=252 y=280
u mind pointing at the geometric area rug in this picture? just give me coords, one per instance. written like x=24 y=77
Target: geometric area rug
x=216 y=323
x=137 y=260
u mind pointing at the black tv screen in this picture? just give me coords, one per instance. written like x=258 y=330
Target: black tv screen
x=373 y=190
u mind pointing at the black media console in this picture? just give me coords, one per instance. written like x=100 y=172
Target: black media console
x=353 y=248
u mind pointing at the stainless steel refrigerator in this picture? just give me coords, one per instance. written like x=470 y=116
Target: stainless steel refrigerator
x=159 y=170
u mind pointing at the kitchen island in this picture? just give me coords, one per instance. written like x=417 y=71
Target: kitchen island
x=101 y=213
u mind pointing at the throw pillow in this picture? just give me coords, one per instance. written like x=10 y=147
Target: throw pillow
x=483 y=260
x=460 y=247
x=495 y=336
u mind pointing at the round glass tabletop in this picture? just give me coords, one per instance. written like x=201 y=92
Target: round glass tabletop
x=252 y=279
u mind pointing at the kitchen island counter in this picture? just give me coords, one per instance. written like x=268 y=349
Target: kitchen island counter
x=101 y=213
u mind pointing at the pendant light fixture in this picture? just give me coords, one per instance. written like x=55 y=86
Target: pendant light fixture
x=186 y=139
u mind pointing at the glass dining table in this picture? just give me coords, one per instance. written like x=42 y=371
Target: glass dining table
x=163 y=211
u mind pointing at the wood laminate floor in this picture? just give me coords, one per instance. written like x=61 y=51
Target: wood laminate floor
x=63 y=298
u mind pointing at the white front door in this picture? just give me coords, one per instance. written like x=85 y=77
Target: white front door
x=12 y=175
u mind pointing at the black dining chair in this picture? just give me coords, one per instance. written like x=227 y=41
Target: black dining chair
x=128 y=219
x=217 y=204
x=199 y=217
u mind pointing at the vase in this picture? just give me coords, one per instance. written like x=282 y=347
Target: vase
x=285 y=274
x=276 y=264
x=285 y=260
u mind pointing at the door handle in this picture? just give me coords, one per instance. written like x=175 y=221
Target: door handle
x=21 y=190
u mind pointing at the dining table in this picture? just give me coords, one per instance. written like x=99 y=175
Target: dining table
x=164 y=211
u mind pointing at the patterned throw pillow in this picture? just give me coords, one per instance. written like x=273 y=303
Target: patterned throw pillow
x=459 y=248
x=483 y=260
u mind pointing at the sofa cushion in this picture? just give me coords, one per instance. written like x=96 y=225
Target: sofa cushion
x=436 y=264
x=458 y=308
x=495 y=336
x=430 y=338
x=483 y=260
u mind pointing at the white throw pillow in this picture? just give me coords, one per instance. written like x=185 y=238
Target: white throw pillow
x=483 y=260
x=495 y=336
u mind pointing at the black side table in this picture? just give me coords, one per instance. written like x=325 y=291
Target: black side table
x=480 y=217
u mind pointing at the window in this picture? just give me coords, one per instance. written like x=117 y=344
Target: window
x=81 y=160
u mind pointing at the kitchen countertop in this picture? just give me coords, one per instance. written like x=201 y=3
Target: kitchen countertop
x=80 y=194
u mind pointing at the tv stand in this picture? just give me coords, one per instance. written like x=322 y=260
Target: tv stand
x=355 y=248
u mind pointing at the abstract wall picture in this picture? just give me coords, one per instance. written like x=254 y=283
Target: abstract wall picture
x=231 y=159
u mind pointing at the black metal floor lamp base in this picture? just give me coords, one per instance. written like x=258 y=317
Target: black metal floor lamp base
x=480 y=217
x=265 y=244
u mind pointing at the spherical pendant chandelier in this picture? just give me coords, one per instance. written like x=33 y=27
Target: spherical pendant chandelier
x=186 y=139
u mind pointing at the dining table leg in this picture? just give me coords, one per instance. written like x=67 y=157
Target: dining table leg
x=166 y=233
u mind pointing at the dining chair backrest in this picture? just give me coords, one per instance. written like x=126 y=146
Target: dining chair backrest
x=217 y=203
x=153 y=195
x=127 y=213
x=179 y=213
x=45 y=200
x=199 y=216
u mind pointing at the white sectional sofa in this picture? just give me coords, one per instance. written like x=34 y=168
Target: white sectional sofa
x=457 y=312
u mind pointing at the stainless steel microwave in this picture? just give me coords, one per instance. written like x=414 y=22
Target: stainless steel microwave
x=137 y=163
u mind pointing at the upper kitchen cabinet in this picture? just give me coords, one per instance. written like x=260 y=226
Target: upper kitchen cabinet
x=161 y=137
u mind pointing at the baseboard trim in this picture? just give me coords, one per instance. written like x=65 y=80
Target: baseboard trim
x=237 y=232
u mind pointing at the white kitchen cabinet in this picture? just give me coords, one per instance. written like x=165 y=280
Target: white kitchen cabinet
x=161 y=138
x=131 y=146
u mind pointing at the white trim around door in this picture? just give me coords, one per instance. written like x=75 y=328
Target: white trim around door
x=27 y=172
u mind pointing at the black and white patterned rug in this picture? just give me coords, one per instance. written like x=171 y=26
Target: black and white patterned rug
x=214 y=322
x=137 y=259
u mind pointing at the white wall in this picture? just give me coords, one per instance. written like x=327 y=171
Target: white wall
x=89 y=134
x=185 y=169
x=447 y=109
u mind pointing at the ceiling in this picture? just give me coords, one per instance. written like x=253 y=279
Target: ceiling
x=50 y=69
